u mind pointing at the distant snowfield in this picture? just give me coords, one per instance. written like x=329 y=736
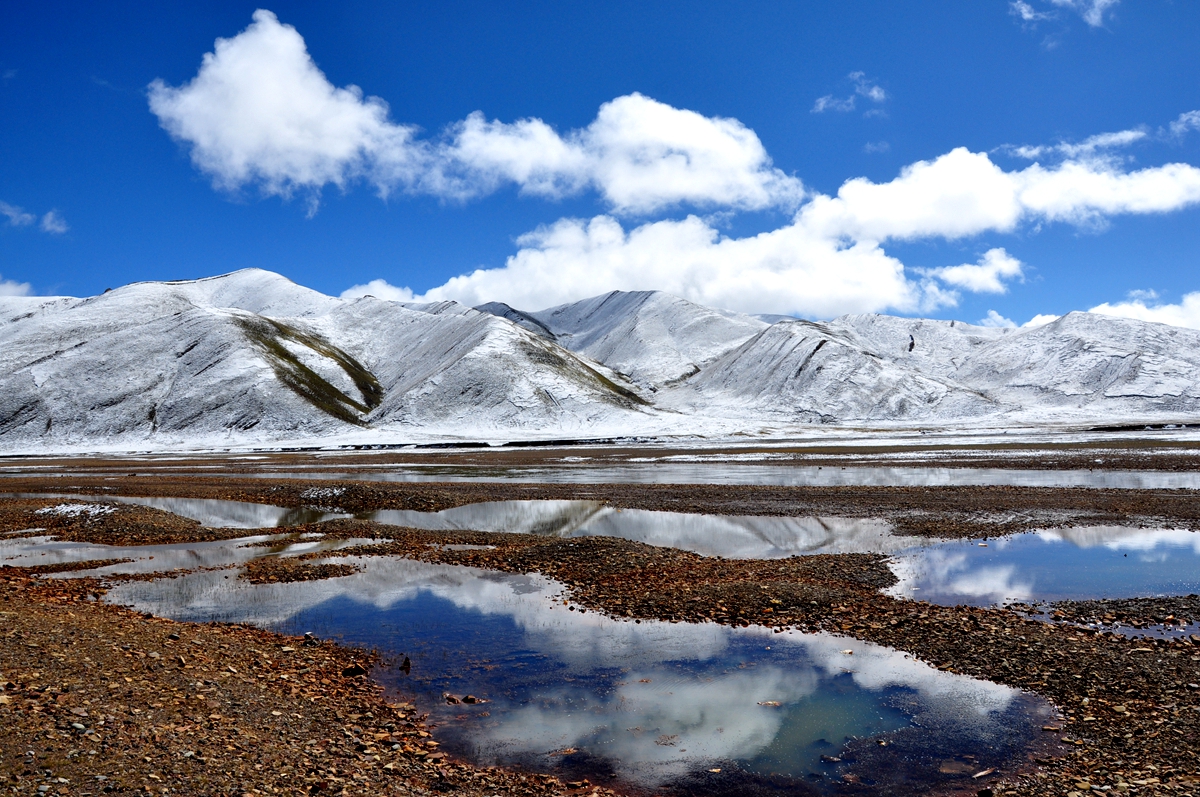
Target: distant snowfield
x=251 y=359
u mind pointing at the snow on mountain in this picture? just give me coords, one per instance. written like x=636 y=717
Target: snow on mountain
x=251 y=357
x=446 y=363
x=1093 y=364
x=162 y=360
x=651 y=336
x=521 y=319
x=807 y=372
x=934 y=347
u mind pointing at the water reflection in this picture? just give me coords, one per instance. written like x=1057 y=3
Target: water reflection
x=210 y=512
x=649 y=704
x=45 y=550
x=665 y=472
x=1059 y=564
x=730 y=536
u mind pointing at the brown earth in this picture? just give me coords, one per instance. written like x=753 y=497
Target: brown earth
x=1131 y=707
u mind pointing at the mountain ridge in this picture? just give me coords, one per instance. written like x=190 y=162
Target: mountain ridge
x=252 y=357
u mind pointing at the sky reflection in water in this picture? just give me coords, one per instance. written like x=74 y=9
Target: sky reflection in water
x=1059 y=564
x=648 y=703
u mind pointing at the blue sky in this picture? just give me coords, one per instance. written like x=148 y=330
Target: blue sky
x=693 y=147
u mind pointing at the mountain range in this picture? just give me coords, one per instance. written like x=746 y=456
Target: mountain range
x=252 y=358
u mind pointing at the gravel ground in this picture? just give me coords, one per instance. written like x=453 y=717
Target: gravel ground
x=1131 y=707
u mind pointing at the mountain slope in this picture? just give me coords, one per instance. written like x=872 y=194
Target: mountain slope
x=807 y=372
x=157 y=360
x=252 y=358
x=651 y=336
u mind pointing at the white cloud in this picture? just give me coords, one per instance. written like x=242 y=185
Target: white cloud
x=986 y=276
x=784 y=270
x=13 y=288
x=639 y=154
x=862 y=88
x=872 y=148
x=1026 y=12
x=867 y=88
x=1040 y=320
x=1184 y=314
x=994 y=319
x=260 y=112
x=54 y=223
x=380 y=289
x=1088 y=148
x=1185 y=122
x=829 y=260
x=1092 y=11
x=16 y=216
x=832 y=103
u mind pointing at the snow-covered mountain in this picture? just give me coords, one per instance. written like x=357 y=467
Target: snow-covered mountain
x=652 y=337
x=196 y=360
x=251 y=357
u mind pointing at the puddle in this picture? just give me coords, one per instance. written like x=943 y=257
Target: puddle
x=730 y=536
x=649 y=706
x=1062 y=564
x=775 y=475
x=44 y=550
x=208 y=511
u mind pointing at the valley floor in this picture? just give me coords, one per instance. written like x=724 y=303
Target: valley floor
x=98 y=699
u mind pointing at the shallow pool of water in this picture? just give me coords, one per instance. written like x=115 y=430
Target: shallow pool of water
x=39 y=550
x=666 y=472
x=211 y=512
x=1060 y=564
x=730 y=536
x=652 y=705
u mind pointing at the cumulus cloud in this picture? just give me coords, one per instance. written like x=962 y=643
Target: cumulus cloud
x=1141 y=305
x=13 y=288
x=986 y=276
x=994 y=319
x=16 y=216
x=1092 y=11
x=784 y=270
x=1040 y=320
x=830 y=258
x=54 y=223
x=260 y=112
x=640 y=155
x=380 y=289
